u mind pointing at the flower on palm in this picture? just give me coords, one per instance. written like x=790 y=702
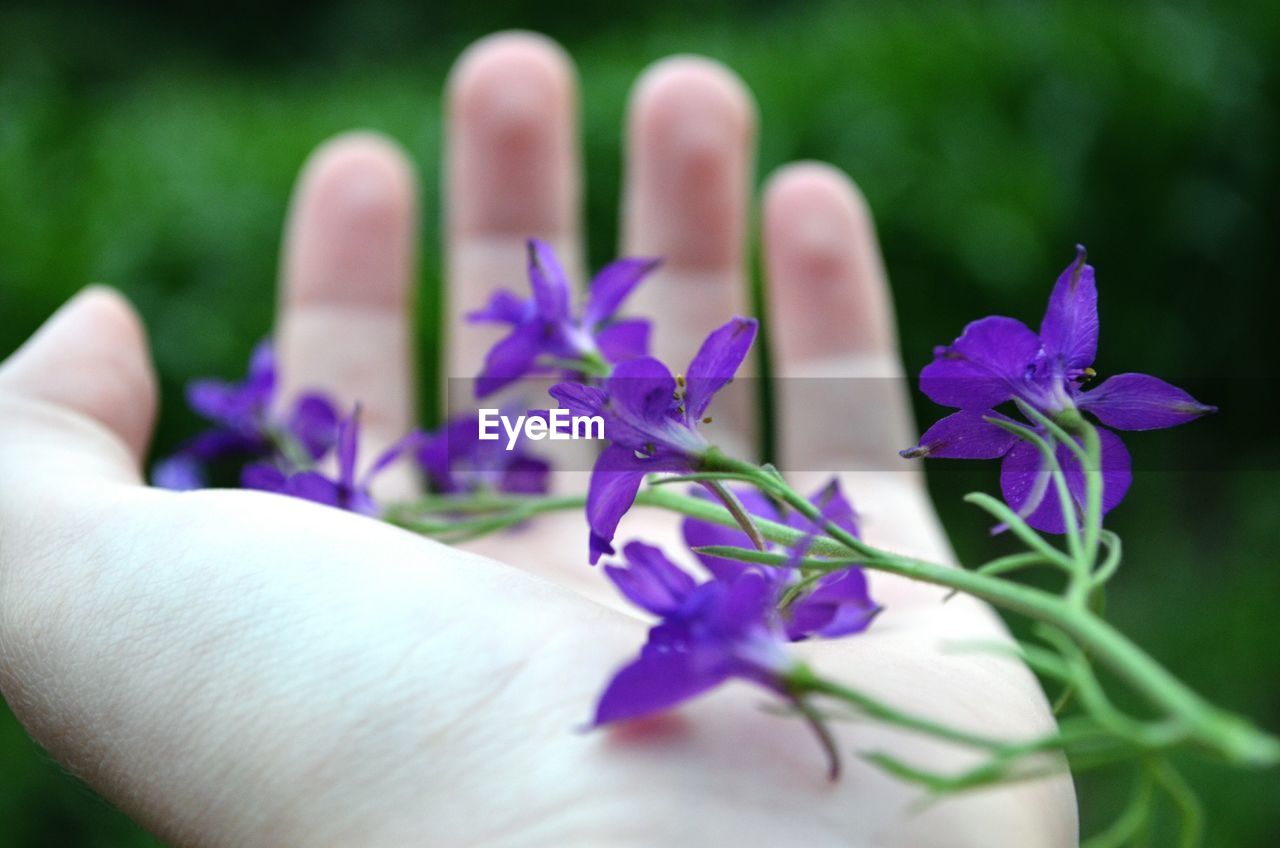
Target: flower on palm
x=651 y=420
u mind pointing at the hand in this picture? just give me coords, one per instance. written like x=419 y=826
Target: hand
x=239 y=668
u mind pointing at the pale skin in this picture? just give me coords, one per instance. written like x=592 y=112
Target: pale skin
x=237 y=668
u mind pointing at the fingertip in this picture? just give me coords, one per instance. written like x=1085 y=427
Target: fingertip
x=691 y=133
x=814 y=191
x=820 y=249
x=513 y=171
x=479 y=83
x=672 y=89
x=352 y=223
x=91 y=358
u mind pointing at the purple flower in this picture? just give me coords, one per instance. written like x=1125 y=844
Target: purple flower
x=456 y=460
x=347 y=490
x=838 y=604
x=708 y=634
x=998 y=359
x=651 y=420
x=545 y=334
x=243 y=428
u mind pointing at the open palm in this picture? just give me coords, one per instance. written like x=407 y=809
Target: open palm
x=241 y=668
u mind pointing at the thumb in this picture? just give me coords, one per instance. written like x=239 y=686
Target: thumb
x=82 y=386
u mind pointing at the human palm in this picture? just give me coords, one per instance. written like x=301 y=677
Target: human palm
x=233 y=667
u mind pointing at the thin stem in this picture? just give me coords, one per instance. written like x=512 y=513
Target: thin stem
x=1049 y=454
x=802 y=680
x=814 y=719
x=738 y=511
x=1184 y=801
x=1136 y=815
x=1020 y=528
x=703 y=477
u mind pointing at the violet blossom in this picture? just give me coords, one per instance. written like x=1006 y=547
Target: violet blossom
x=546 y=335
x=709 y=633
x=651 y=421
x=244 y=427
x=346 y=489
x=454 y=460
x=998 y=359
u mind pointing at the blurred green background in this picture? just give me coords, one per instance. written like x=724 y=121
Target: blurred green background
x=154 y=149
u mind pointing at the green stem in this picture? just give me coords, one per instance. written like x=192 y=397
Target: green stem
x=738 y=511
x=1229 y=736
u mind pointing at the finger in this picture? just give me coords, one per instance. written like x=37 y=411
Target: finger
x=690 y=149
x=842 y=400
x=513 y=172
x=349 y=266
x=80 y=395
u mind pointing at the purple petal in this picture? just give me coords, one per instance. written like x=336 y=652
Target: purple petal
x=751 y=598
x=238 y=406
x=181 y=472
x=548 y=281
x=839 y=606
x=214 y=445
x=526 y=475
x=641 y=396
x=614 y=482
x=964 y=435
x=433 y=458
x=347 y=448
x=314 y=423
x=657 y=681
x=412 y=443
x=262 y=369
x=833 y=505
x=314 y=486
x=988 y=365
x=1030 y=491
x=504 y=308
x=623 y=340
x=580 y=399
x=225 y=403
x=263 y=477
x=1141 y=402
x=716 y=362
x=510 y=359
x=1069 y=331
x=651 y=581
x=612 y=286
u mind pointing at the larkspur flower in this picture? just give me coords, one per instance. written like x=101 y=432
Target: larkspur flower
x=346 y=490
x=837 y=605
x=998 y=359
x=545 y=332
x=244 y=428
x=709 y=633
x=651 y=421
x=455 y=460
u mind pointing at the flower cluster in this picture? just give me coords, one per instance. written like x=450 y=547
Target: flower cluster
x=246 y=427
x=455 y=460
x=312 y=453
x=773 y=567
x=998 y=359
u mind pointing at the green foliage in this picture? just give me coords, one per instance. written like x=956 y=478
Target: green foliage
x=156 y=153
